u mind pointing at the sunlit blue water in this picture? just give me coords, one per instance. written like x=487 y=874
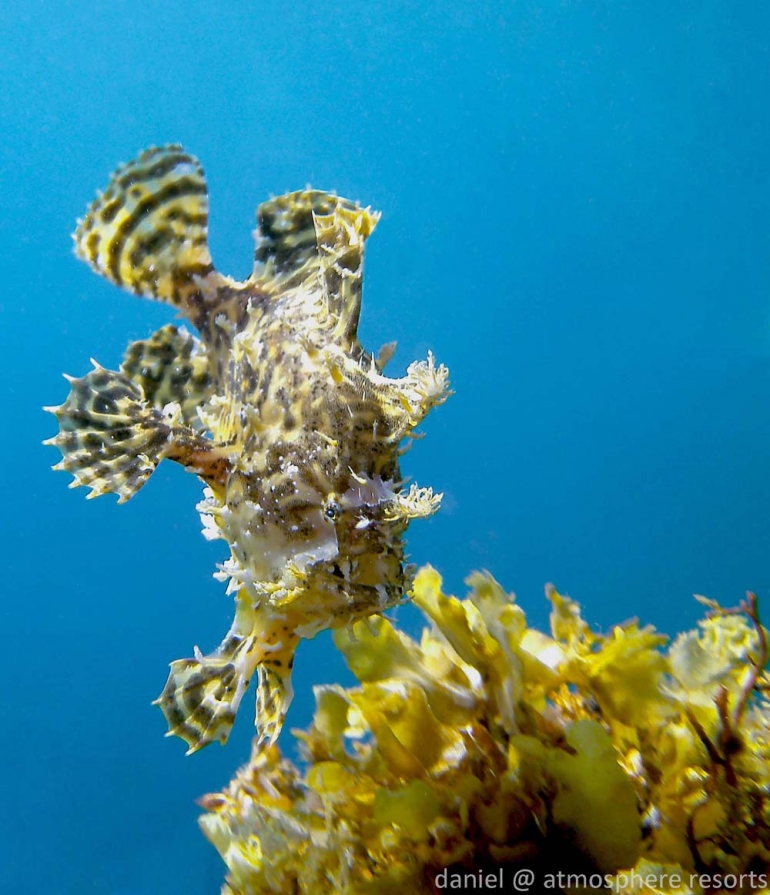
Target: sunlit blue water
x=576 y=206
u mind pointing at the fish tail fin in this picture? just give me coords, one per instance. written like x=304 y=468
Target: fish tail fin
x=202 y=695
x=148 y=231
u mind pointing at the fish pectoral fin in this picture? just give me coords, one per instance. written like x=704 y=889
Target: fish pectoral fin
x=148 y=231
x=171 y=367
x=112 y=441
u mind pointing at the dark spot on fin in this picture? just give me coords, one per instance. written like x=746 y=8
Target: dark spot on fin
x=148 y=231
x=171 y=367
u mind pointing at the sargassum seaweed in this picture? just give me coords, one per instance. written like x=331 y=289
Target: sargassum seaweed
x=489 y=747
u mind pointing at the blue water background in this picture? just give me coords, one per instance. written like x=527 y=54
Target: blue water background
x=575 y=205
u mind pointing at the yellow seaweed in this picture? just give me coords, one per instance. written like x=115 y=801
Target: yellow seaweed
x=601 y=760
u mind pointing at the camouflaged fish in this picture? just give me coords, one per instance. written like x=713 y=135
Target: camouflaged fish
x=289 y=422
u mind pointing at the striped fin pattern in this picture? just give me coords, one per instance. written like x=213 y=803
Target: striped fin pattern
x=287 y=248
x=109 y=440
x=112 y=441
x=148 y=231
x=201 y=698
x=171 y=367
x=202 y=694
x=274 y=696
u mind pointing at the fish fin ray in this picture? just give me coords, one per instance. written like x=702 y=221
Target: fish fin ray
x=287 y=242
x=201 y=698
x=109 y=440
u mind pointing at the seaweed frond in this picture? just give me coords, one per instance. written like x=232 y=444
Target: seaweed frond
x=489 y=747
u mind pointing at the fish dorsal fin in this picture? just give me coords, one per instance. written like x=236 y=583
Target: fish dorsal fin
x=286 y=242
x=147 y=232
x=311 y=234
x=340 y=236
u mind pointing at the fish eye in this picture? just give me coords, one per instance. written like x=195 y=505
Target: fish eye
x=332 y=509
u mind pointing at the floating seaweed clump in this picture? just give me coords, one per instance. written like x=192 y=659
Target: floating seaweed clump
x=490 y=749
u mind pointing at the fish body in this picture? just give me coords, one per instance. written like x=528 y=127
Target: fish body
x=292 y=426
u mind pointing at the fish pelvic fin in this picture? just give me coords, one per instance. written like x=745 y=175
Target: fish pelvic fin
x=274 y=695
x=202 y=695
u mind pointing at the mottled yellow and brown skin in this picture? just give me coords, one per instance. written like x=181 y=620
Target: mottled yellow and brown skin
x=288 y=420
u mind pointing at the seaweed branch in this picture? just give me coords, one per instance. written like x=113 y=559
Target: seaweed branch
x=730 y=741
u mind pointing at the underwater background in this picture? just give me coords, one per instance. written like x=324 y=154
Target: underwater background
x=576 y=201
